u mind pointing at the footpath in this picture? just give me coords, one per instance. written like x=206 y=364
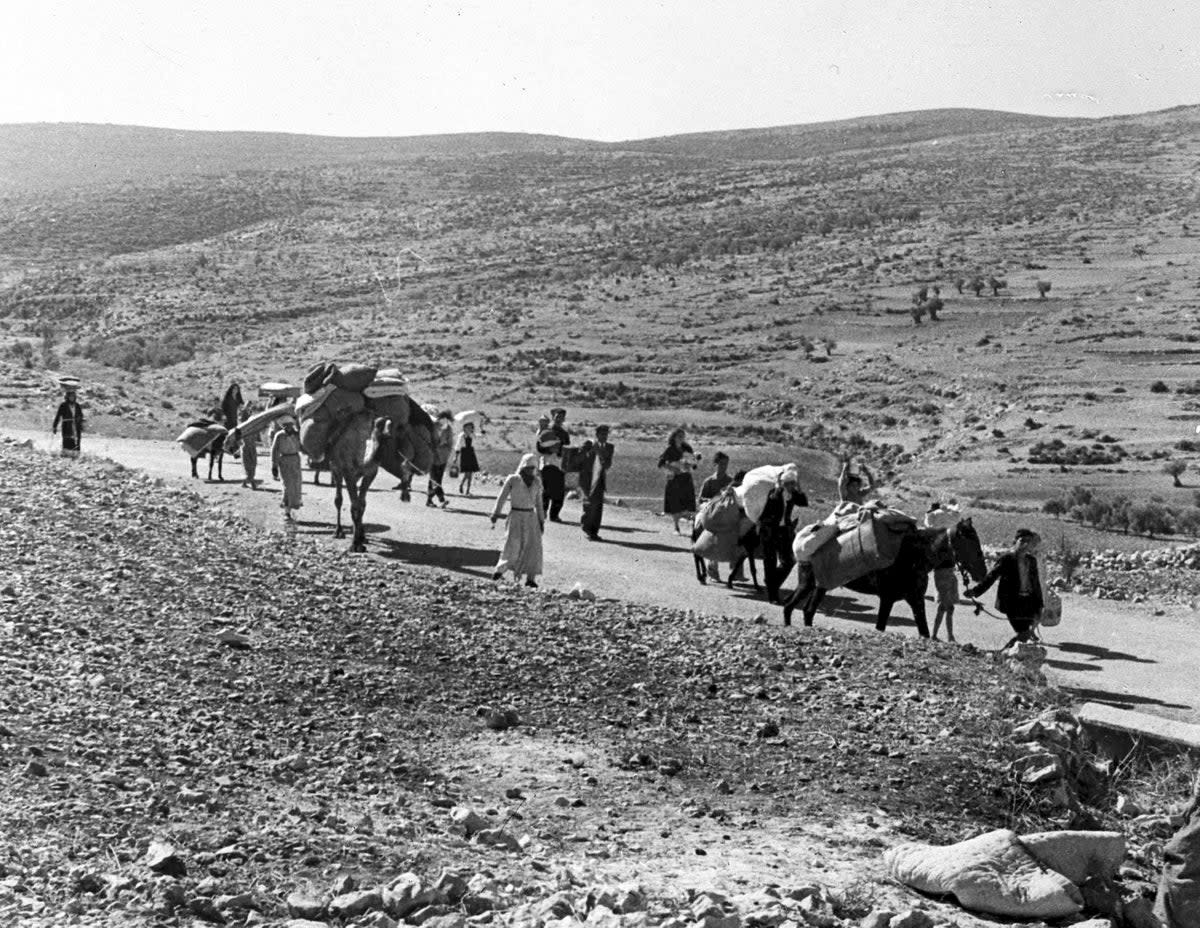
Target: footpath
x=1113 y=653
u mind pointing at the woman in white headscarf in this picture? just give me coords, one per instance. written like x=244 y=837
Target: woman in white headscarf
x=522 y=553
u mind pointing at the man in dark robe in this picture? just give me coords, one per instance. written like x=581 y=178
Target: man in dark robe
x=70 y=415
x=593 y=481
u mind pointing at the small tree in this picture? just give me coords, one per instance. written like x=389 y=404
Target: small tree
x=959 y=283
x=997 y=284
x=977 y=286
x=1043 y=287
x=933 y=307
x=1174 y=469
x=1054 y=507
x=916 y=312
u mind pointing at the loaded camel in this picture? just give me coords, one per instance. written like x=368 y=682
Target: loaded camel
x=906 y=579
x=361 y=444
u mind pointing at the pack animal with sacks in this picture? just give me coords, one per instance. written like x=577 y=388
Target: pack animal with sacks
x=864 y=539
x=719 y=525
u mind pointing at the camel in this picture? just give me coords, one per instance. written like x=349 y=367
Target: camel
x=351 y=458
x=362 y=444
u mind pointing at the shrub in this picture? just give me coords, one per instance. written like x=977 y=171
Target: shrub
x=1159 y=387
x=1043 y=287
x=1174 y=469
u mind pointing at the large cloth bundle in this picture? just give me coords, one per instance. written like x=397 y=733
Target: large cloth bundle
x=386 y=386
x=392 y=406
x=309 y=403
x=1001 y=874
x=338 y=406
x=714 y=546
x=811 y=538
x=318 y=376
x=353 y=377
x=250 y=427
x=196 y=439
x=279 y=390
x=757 y=485
x=722 y=513
x=869 y=539
x=406 y=448
x=341 y=404
x=314 y=437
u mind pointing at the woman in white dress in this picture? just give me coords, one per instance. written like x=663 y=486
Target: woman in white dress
x=522 y=553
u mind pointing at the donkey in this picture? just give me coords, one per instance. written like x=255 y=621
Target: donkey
x=905 y=579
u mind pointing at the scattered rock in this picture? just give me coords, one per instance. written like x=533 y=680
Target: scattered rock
x=162 y=858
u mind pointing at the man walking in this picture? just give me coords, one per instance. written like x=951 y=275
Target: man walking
x=593 y=481
x=70 y=415
x=550 y=445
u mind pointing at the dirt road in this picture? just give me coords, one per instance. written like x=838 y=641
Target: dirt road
x=1117 y=653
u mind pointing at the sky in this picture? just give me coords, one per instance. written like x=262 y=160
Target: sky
x=609 y=70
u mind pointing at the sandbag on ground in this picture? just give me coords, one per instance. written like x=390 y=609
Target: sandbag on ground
x=991 y=873
x=1078 y=854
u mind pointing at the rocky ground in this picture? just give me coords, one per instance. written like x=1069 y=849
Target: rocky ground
x=201 y=720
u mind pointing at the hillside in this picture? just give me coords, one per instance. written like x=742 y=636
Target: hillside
x=286 y=717
x=46 y=156
x=757 y=297
x=847 y=135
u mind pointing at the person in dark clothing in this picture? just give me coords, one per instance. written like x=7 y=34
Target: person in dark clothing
x=710 y=489
x=1019 y=595
x=70 y=415
x=1178 y=901
x=679 y=495
x=777 y=530
x=718 y=480
x=593 y=481
x=550 y=445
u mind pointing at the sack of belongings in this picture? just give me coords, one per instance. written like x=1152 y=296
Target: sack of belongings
x=811 y=537
x=869 y=538
x=722 y=513
x=721 y=547
x=198 y=436
x=353 y=377
x=394 y=406
x=1030 y=877
x=251 y=426
x=757 y=485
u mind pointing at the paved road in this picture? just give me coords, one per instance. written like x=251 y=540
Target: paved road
x=1117 y=653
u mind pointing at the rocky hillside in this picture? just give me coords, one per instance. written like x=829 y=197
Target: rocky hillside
x=201 y=720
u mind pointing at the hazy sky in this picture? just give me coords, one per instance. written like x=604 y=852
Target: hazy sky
x=614 y=69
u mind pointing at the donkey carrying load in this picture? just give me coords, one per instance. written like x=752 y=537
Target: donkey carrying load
x=914 y=553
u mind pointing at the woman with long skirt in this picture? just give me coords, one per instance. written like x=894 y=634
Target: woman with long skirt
x=522 y=553
x=679 y=495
